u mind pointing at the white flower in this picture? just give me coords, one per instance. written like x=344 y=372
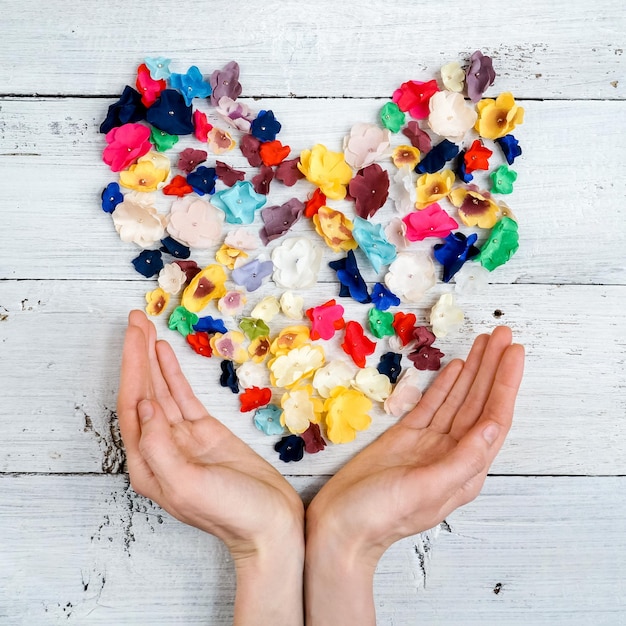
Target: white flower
x=405 y=395
x=335 y=373
x=266 y=309
x=396 y=345
x=445 y=316
x=402 y=191
x=411 y=275
x=241 y=239
x=396 y=231
x=296 y=263
x=372 y=383
x=252 y=374
x=291 y=305
x=365 y=144
x=172 y=278
x=298 y=410
x=453 y=76
x=450 y=116
x=195 y=222
x=137 y=220
x=471 y=279
x=288 y=369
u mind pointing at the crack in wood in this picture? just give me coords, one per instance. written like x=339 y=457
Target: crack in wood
x=109 y=439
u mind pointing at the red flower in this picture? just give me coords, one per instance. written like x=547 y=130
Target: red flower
x=325 y=320
x=413 y=96
x=201 y=126
x=313 y=440
x=404 y=324
x=427 y=358
x=149 y=89
x=178 y=186
x=369 y=188
x=200 y=342
x=227 y=174
x=273 y=152
x=254 y=397
x=477 y=157
x=356 y=344
x=313 y=204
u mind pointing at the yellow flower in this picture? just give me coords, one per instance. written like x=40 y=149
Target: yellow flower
x=229 y=346
x=259 y=348
x=227 y=256
x=476 y=208
x=433 y=187
x=405 y=156
x=347 y=410
x=157 y=301
x=300 y=409
x=289 y=338
x=207 y=285
x=335 y=228
x=328 y=170
x=287 y=370
x=143 y=176
x=498 y=117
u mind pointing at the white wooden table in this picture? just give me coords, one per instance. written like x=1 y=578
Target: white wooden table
x=546 y=542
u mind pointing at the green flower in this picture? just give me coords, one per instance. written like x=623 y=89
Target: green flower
x=502 y=179
x=161 y=140
x=182 y=320
x=391 y=117
x=254 y=328
x=502 y=244
x=381 y=323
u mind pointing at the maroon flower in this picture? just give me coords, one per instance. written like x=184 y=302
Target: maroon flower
x=190 y=268
x=369 y=188
x=279 y=219
x=427 y=358
x=419 y=138
x=479 y=75
x=250 y=145
x=189 y=159
x=227 y=174
x=225 y=82
x=261 y=182
x=313 y=440
x=288 y=173
x=423 y=337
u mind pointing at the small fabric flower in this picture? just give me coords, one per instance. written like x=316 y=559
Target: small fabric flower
x=419 y=138
x=510 y=148
x=227 y=174
x=497 y=118
x=161 y=140
x=251 y=274
x=327 y=170
x=148 y=263
x=259 y=348
x=335 y=228
x=405 y=156
x=228 y=377
x=433 y=187
x=381 y=323
x=392 y=117
x=178 y=186
x=127 y=110
x=250 y=148
x=266 y=309
x=286 y=370
x=480 y=75
x=111 y=197
x=171 y=114
x=290 y=448
x=502 y=180
x=220 y=141
x=352 y=283
x=371 y=239
x=200 y=343
x=389 y=365
x=147 y=86
x=232 y=302
x=372 y=383
x=291 y=305
x=476 y=208
x=267 y=420
x=242 y=239
x=189 y=159
x=143 y=176
x=178 y=251
x=253 y=374
x=314 y=203
x=422 y=337
x=369 y=188
x=356 y=344
x=366 y=144
x=414 y=96
x=172 y=278
x=395 y=231
x=253 y=398
x=273 y=152
x=182 y=320
x=403 y=324
x=335 y=373
x=325 y=319
x=296 y=263
x=477 y=157
x=235 y=114
x=201 y=126
x=457 y=249
x=191 y=84
x=261 y=182
x=405 y=395
x=209 y=325
x=402 y=191
x=230 y=346
x=190 y=268
x=207 y=285
x=195 y=222
x=289 y=338
x=445 y=316
x=136 y=220
x=426 y=358
x=437 y=158
x=225 y=83
x=288 y=172
x=471 y=279
x=432 y=221
x=453 y=76
x=450 y=116
x=159 y=67
x=347 y=411
x=313 y=440
x=502 y=244
x=125 y=144
x=300 y=409
x=410 y=276
x=239 y=202
x=202 y=179
x=254 y=328
x=460 y=171
x=157 y=301
x=228 y=256
x=279 y=219
x=265 y=126
x=382 y=298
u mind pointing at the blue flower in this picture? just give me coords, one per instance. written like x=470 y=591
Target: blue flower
x=171 y=114
x=383 y=298
x=373 y=241
x=460 y=169
x=239 y=202
x=129 y=108
x=267 y=420
x=148 y=263
x=251 y=274
x=175 y=248
x=438 y=156
x=290 y=448
x=202 y=179
x=352 y=283
x=229 y=376
x=191 y=85
x=454 y=252
x=210 y=325
x=111 y=197
x=389 y=365
x=510 y=147
x=265 y=127
x=159 y=67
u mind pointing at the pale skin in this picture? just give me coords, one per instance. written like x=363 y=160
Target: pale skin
x=435 y=459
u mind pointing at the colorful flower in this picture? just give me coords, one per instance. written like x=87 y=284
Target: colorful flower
x=172 y=278
x=250 y=148
x=300 y=409
x=261 y=182
x=279 y=219
x=405 y=156
x=239 y=202
x=209 y=325
x=445 y=316
x=201 y=343
x=207 y=285
x=178 y=251
x=267 y=420
x=232 y=302
x=457 y=249
x=125 y=144
x=392 y=117
x=372 y=383
x=228 y=377
x=327 y=170
x=111 y=197
x=356 y=344
x=426 y=358
x=313 y=440
x=254 y=328
x=433 y=187
x=477 y=157
x=403 y=324
x=161 y=140
x=289 y=338
x=365 y=144
x=497 y=118
x=253 y=373
x=171 y=114
x=259 y=348
x=253 y=398
x=371 y=239
x=287 y=370
x=190 y=268
x=405 y=395
x=228 y=256
x=432 y=221
x=251 y=274
x=510 y=148
x=220 y=141
x=228 y=175
x=369 y=188
x=191 y=84
x=411 y=275
x=147 y=86
x=157 y=301
x=128 y=109
x=453 y=76
x=273 y=152
x=230 y=346
x=325 y=319
x=148 y=263
x=347 y=411
x=335 y=228
x=414 y=96
x=479 y=76
x=402 y=191
x=143 y=176
x=235 y=114
x=502 y=244
x=419 y=138
x=450 y=116
x=315 y=201
x=265 y=126
x=178 y=186
x=502 y=180
x=136 y=220
x=225 y=83
x=352 y=283
x=381 y=323
x=195 y=222
x=159 y=67
x=335 y=373
x=296 y=263
x=395 y=231
x=201 y=126
x=182 y=320
x=382 y=298
x=242 y=239
x=287 y=172
x=476 y=208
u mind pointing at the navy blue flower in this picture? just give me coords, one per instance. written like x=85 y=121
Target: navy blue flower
x=265 y=127
x=175 y=248
x=148 y=263
x=210 y=325
x=127 y=109
x=454 y=252
x=111 y=197
x=191 y=85
x=203 y=180
x=290 y=448
x=229 y=376
x=461 y=172
x=389 y=365
x=171 y=114
x=383 y=298
x=438 y=156
x=352 y=283
x=510 y=147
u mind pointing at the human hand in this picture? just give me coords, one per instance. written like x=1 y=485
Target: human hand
x=202 y=474
x=432 y=461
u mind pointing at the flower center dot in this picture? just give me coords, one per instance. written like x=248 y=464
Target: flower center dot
x=170 y=112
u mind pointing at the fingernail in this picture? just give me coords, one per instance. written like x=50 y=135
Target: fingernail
x=491 y=432
x=145 y=410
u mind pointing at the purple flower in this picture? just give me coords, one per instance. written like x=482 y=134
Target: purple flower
x=191 y=84
x=171 y=114
x=389 y=365
x=510 y=148
x=175 y=248
x=479 y=75
x=427 y=358
x=265 y=127
x=229 y=376
x=279 y=219
x=352 y=283
x=437 y=157
x=111 y=197
x=454 y=252
x=290 y=448
x=228 y=175
x=383 y=298
x=127 y=109
x=225 y=82
x=210 y=325
x=203 y=180
x=251 y=274
x=148 y=263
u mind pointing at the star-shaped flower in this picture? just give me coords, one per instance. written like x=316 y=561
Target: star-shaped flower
x=191 y=84
x=502 y=180
x=239 y=202
x=477 y=157
x=265 y=126
x=159 y=67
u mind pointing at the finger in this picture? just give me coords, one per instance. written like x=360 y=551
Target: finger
x=444 y=416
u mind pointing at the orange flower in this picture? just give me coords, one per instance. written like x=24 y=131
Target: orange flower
x=273 y=152
x=335 y=228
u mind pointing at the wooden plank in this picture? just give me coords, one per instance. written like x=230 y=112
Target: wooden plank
x=564 y=50
x=60 y=343
x=50 y=153
x=528 y=550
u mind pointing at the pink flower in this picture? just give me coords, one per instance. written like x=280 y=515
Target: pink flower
x=325 y=320
x=432 y=221
x=235 y=114
x=126 y=144
x=195 y=222
x=365 y=144
x=413 y=96
x=201 y=126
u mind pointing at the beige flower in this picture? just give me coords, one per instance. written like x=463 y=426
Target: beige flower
x=136 y=220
